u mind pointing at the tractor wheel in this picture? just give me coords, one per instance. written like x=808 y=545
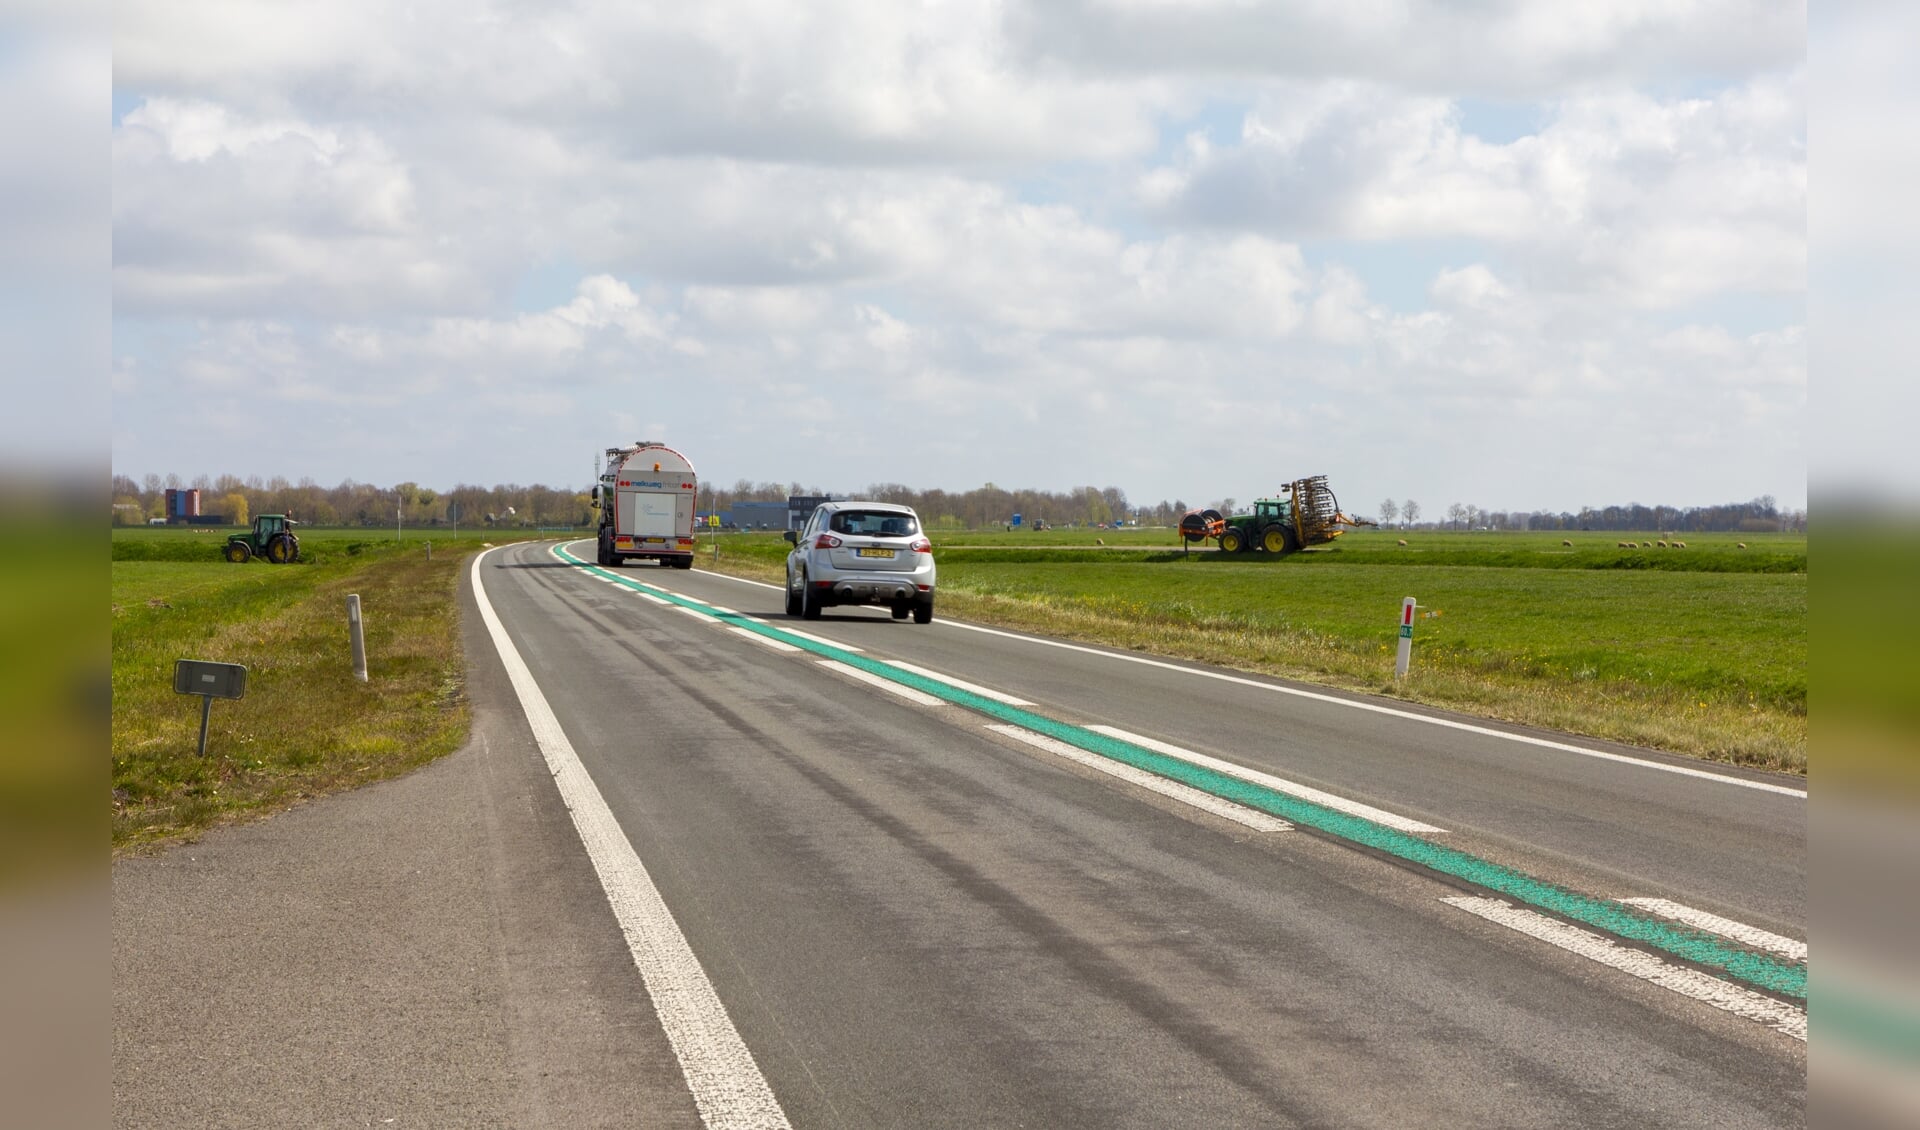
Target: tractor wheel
x=237 y=552
x=1273 y=539
x=1293 y=539
x=1232 y=541
x=280 y=550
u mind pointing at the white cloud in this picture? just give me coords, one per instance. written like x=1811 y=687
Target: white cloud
x=781 y=223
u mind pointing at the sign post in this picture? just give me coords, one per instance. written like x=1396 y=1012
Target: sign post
x=1405 y=656
x=209 y=681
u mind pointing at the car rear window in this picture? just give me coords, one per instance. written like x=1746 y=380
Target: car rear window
x=875 y=523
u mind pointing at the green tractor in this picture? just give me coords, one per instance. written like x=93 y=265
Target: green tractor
x=1309 y=515
x=271 y=537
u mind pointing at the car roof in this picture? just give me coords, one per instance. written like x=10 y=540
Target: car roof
x=848 y=504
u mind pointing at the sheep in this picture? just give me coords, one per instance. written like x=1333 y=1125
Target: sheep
x=1620 y=545
x=1662 y=543
x=1568 y=544
x=1403 y=541
x=1679 y=545
x=1742 y=545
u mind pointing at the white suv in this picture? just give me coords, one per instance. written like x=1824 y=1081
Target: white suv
x=861 y=553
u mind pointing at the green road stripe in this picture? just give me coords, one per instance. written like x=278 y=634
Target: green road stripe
x=1760 y=970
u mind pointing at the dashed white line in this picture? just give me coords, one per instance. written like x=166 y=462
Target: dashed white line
x=820 y=639
x=693 y=612
x=1278 y=784
x=1778 y=1015
x=1186 y=794
x=649 y=596
x=1725 y=927
x=887 y=685
x=975 y=688
x=728 y=1089
x=765 y=641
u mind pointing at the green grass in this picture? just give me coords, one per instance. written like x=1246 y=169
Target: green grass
x=306 y=726
x=1704 y=651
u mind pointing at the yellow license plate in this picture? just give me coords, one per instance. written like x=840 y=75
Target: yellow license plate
x=887 y=553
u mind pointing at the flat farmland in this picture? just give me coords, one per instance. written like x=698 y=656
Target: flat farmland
x=1701 y=650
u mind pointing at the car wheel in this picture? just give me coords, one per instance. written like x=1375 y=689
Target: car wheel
x=900 y=611
x=809 y=600
x=923 y=611
x=793 y=598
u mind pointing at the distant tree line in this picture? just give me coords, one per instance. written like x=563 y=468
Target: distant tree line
x=364 y=504
x=1760 y=515
x=353 y=503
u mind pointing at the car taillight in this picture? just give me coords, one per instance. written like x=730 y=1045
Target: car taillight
x=921 y=545
x=826 y=541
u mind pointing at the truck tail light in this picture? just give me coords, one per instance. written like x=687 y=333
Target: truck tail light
x=921 y=545
x=826 y=541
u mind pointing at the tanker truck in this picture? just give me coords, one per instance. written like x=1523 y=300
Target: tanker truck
x=646 y=497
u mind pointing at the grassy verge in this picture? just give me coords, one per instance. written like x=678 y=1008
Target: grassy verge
x=306 y=726
x=1709 y=661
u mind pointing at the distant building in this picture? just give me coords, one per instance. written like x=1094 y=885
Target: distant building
x=800 y=507
x=182 y=505
x=758 y=515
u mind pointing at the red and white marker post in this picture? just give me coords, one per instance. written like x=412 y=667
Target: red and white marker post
x=1406 y=639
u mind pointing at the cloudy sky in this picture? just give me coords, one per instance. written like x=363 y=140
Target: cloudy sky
x=1513 y=254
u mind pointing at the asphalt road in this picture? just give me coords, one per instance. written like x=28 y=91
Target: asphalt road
x=893 y=915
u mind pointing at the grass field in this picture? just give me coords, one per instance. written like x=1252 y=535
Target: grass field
x=1700 y=650
x=306 y=726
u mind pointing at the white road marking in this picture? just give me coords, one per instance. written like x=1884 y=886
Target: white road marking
x=975 y=688
x=742 y=580
x=719 y=609
x=769 y=641
x=728 y=1088
x=887 y=685
x=1408 y=715
x=1186 y=794
x=1725 y=927
x=1278 y=784
x=693 y=612
x=1778 y=1015
x=649 y=596
x=819 y=639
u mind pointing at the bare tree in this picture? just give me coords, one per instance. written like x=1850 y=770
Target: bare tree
x=1410 y=510
x=1389 y=510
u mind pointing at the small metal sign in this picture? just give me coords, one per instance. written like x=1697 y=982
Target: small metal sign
x=209 y=681
x=218 y=680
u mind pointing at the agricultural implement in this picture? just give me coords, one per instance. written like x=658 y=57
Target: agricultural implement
x=271 y=537
x=1306 y=514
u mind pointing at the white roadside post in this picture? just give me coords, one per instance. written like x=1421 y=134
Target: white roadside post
x=359 y=641
x=1406 y=639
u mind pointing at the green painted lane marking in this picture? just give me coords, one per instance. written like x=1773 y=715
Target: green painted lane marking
x=1760 y=970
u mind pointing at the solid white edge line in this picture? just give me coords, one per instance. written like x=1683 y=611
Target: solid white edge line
x=1408 y=715
x=1778 y=1015
x=887 y=685
x=769 y=641
x=1278 y=784
x=1186 y=794
x=975 y=688
x=1740 y=932
x=727 y=1086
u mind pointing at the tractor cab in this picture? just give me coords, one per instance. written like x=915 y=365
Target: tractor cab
x=271 y=537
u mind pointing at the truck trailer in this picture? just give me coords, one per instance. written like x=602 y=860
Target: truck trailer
x=646 y=498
